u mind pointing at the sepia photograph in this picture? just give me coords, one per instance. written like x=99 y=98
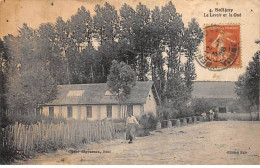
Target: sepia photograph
x=129 y=82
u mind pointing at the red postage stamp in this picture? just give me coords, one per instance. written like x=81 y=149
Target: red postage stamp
x=222 y=46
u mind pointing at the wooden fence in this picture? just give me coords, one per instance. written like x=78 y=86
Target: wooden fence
x=43 y=136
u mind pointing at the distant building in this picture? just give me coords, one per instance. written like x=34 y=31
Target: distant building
x=96 y=102
x=220 y=93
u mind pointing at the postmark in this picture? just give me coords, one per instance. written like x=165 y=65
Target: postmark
x=222 y=47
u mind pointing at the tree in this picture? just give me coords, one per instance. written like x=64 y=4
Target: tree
x=3 y=75
x=63 y=46
x=176 y=91
x=46 y=46
x=141 y=39
x=192 y=38
x=81 y=27
x=127 y=15
x=157 y=47
x=247 y=86
x=121 y=80
x=106 y=28
x=108 y=52
x=126 y=50
x=106 y=23
x=30 y=83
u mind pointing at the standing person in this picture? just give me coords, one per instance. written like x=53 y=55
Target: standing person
x=211 y=114
x=204 y=116
x=131 y=123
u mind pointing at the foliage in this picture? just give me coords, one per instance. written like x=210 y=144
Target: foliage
x=167 y=113
x=7 y=154
x=173 y=25
x=148 y=121
x=186 y=111
x=201 y=105
x=121 y=79
x=146 y=39
x=247 y=86
x=3 y=68
x=34 y=119
x=106 y=23
x=29 y=82
x=192 y=38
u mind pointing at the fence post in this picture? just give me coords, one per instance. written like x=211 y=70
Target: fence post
x=194 y=119
x=169 y=124
x=178 y=123
x=158 y=126
x=184 y=122
x=189 y=120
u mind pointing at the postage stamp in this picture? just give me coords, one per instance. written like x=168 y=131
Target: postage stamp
x=222 y=47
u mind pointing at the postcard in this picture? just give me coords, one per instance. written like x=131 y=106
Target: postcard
x=129 y=82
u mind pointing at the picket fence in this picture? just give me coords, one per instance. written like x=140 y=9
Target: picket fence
x=41 y=136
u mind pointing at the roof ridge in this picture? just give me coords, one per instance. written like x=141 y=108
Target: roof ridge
x=213 y=81
x=99 y=83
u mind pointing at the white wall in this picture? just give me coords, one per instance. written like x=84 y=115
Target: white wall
x=103 y=111
x=45 y=110
x=150 y=105
x=136 y=110
x=99 y=112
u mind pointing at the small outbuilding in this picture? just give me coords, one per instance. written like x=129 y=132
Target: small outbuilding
x=96 y=102
x=220 y=93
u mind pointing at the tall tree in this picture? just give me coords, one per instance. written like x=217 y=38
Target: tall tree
x=126 y=51
x=3 y=75
x=106 y=23
x=106 y=27
x=141 y=39
x=192 y=38
x=127 y=15
x=29 y=82
x=63 y=46
x=174 y=28
x=247 y=86
x=81 y=28
x=47 y=47
x=157 y=60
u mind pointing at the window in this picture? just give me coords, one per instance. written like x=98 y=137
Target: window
x=109 y=111
x=130 y=109
x=222 y=109
x=89 y=111
x=69 y=112
x=51 y=112
x=75 y=93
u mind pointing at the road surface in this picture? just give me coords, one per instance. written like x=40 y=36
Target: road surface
x=219 y=142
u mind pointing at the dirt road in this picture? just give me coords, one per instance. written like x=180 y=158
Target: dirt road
x=220 y=142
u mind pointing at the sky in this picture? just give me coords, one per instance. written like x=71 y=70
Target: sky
x=13 y=13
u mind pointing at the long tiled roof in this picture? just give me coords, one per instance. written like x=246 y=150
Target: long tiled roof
x=214 y=89
x=96 y=94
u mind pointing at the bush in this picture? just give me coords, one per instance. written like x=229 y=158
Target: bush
x=33 y=119
x=200 y=105
x=186 y=112
x=168 y=113
x=7 y=155
x=5 y=121
x=148 y=121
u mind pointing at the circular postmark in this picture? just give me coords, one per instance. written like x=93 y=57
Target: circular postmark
x=222 y=47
